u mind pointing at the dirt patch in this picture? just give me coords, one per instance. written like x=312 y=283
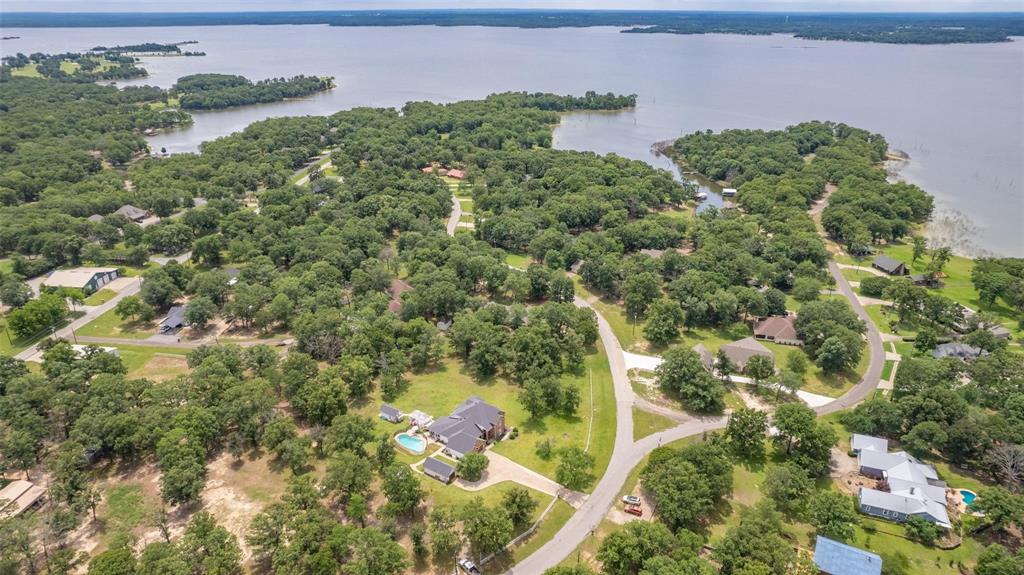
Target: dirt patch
x=843 y=464
x=163 y=367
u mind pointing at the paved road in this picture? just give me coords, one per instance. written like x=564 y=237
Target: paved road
x=453 y=221
x=628 y=454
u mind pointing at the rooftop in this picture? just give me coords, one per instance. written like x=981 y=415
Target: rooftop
x=438 y=467
x=887 y=264
x=17 y=496
x=958 y=350
x=837 y=558
x=776 y=327
x=76 y=278
x=869 y=443
x=739 y=352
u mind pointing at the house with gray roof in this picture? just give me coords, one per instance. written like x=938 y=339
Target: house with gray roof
x=909 y=488
x=174 y=321
x=958 y=350
x=835 y=558
x=470 y=427
x=438 y=469
x=390 y=413
x=740 y=352
x=868 y=443
x=132 y=213
x=778 y=328
x=890 y=266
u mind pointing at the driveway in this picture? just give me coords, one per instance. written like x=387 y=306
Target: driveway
x=453 y=220
x=640 y=361
x=502 y=469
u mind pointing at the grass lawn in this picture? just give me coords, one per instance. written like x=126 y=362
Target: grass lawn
x=437 y=392
x=131 y=271
x=152 y=362
x=467 y=218
x=646 y=423
x=100 y=297
x=467 y=204
x=905 y=349
x=887 y=369
x=6 y=266
x=855 y=275
x=956 y=285
x=31 y=70
x=887 y=540
x=111 y=325
x=521 y=261
x=124 y=507
x=884 y=319
x=816 y=380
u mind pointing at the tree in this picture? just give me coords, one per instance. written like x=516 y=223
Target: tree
x=349 y=431
x=133 y=307
x=207 y=250
x=575 y=468
x=833 y=515
x=806 y=289
x=471 y=466
x=162 y=558
x=794 y=421
x=1001 y=508
x=487 y=528
x=402 y=489
x=921 y=530
x=182 y=463
x=348 y=474
x=996 y=560
x=756 y=540
x=920 y=246
x=788 y=487
x=519 y=505
x=760 y=368
x=625 y=551
x=681 y=493
x=37 y=315
x=374 y=553
x=926 y=340
x=159 y=289
x=199 y=311
x=210 y=549
x=570 y=570
x=664 y=319
x=746 y=430
x=682 y=372
x=797 y=362
x=444 y=537
x=924 y=437
x=116 y=561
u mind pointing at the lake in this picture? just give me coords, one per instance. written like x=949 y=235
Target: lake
x=957 y=110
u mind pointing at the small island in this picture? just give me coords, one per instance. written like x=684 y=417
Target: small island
x=216 y=91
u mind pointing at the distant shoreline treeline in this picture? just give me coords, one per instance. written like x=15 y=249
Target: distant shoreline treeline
x=890 y=28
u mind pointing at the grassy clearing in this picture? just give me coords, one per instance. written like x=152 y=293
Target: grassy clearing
x=152 y=362
x=110 y=324
x=520 y=261
x=888 y=322
x=466 y=204
x=469 y=218
x=646 y=423
x=124 y=507
x=100 y=297
x=816 y=380
x=887 y=369
x=30 y=70
x=855 y=275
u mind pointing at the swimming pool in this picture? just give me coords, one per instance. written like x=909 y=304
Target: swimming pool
x=413 y=443
x=968 y=496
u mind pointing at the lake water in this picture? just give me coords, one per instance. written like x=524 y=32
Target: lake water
x=958 y=110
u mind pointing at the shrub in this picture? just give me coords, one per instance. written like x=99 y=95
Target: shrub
x=874 y=286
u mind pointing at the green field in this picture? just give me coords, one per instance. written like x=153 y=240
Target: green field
x=520 y=261
x=646 y=423
x=886 y=320
x=466 y=204
x=100 y=297
x=815 y=380
x=110 y=324
x=855 y=275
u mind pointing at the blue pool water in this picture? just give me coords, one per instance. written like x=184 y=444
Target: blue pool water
x=413 y=443
x=968 y=496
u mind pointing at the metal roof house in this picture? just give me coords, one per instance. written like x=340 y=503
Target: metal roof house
x=438 y=469
x=390 y=413
x=890 y=266
x=778 y=328
x=175 y=319
x=740 y=352
x=85 y=279
x=868 y=443
x=470 y=427
x=913 y=488
x=19 y=496
x=835 y=558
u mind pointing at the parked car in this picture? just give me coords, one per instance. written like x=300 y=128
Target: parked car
x=635 y=510
x=631 y=500
x=468 y=567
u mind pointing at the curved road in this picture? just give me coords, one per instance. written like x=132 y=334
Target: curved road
x=627 y=454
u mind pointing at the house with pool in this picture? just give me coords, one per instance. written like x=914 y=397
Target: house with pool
x=906 y=487
x=471 y=426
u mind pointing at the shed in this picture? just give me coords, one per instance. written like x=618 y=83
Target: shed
x=390 y=413
x=85 y=279
x=778 y=328
x=175 y=319
x=1000 y=331
x=835 y=558
x=18 y=496
x=438 y=469
x=728 y=192
x=889 y=265
x=740 y=352
x=926 y=280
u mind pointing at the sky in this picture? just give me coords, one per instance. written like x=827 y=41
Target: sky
x=279 y=5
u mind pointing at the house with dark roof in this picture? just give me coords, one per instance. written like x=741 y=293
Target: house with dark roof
x=777 y=328
x=835 y=558
x=390 y=413
x=470 y=427
x=706 y=358
x=132 y=213
x=740 y=352
x=890 y=266
x=958 y=350
x=174 y=321
x=925 y=280
x=438 y=469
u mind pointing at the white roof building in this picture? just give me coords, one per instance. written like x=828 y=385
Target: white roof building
x=18 y=496
x=81 y=278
